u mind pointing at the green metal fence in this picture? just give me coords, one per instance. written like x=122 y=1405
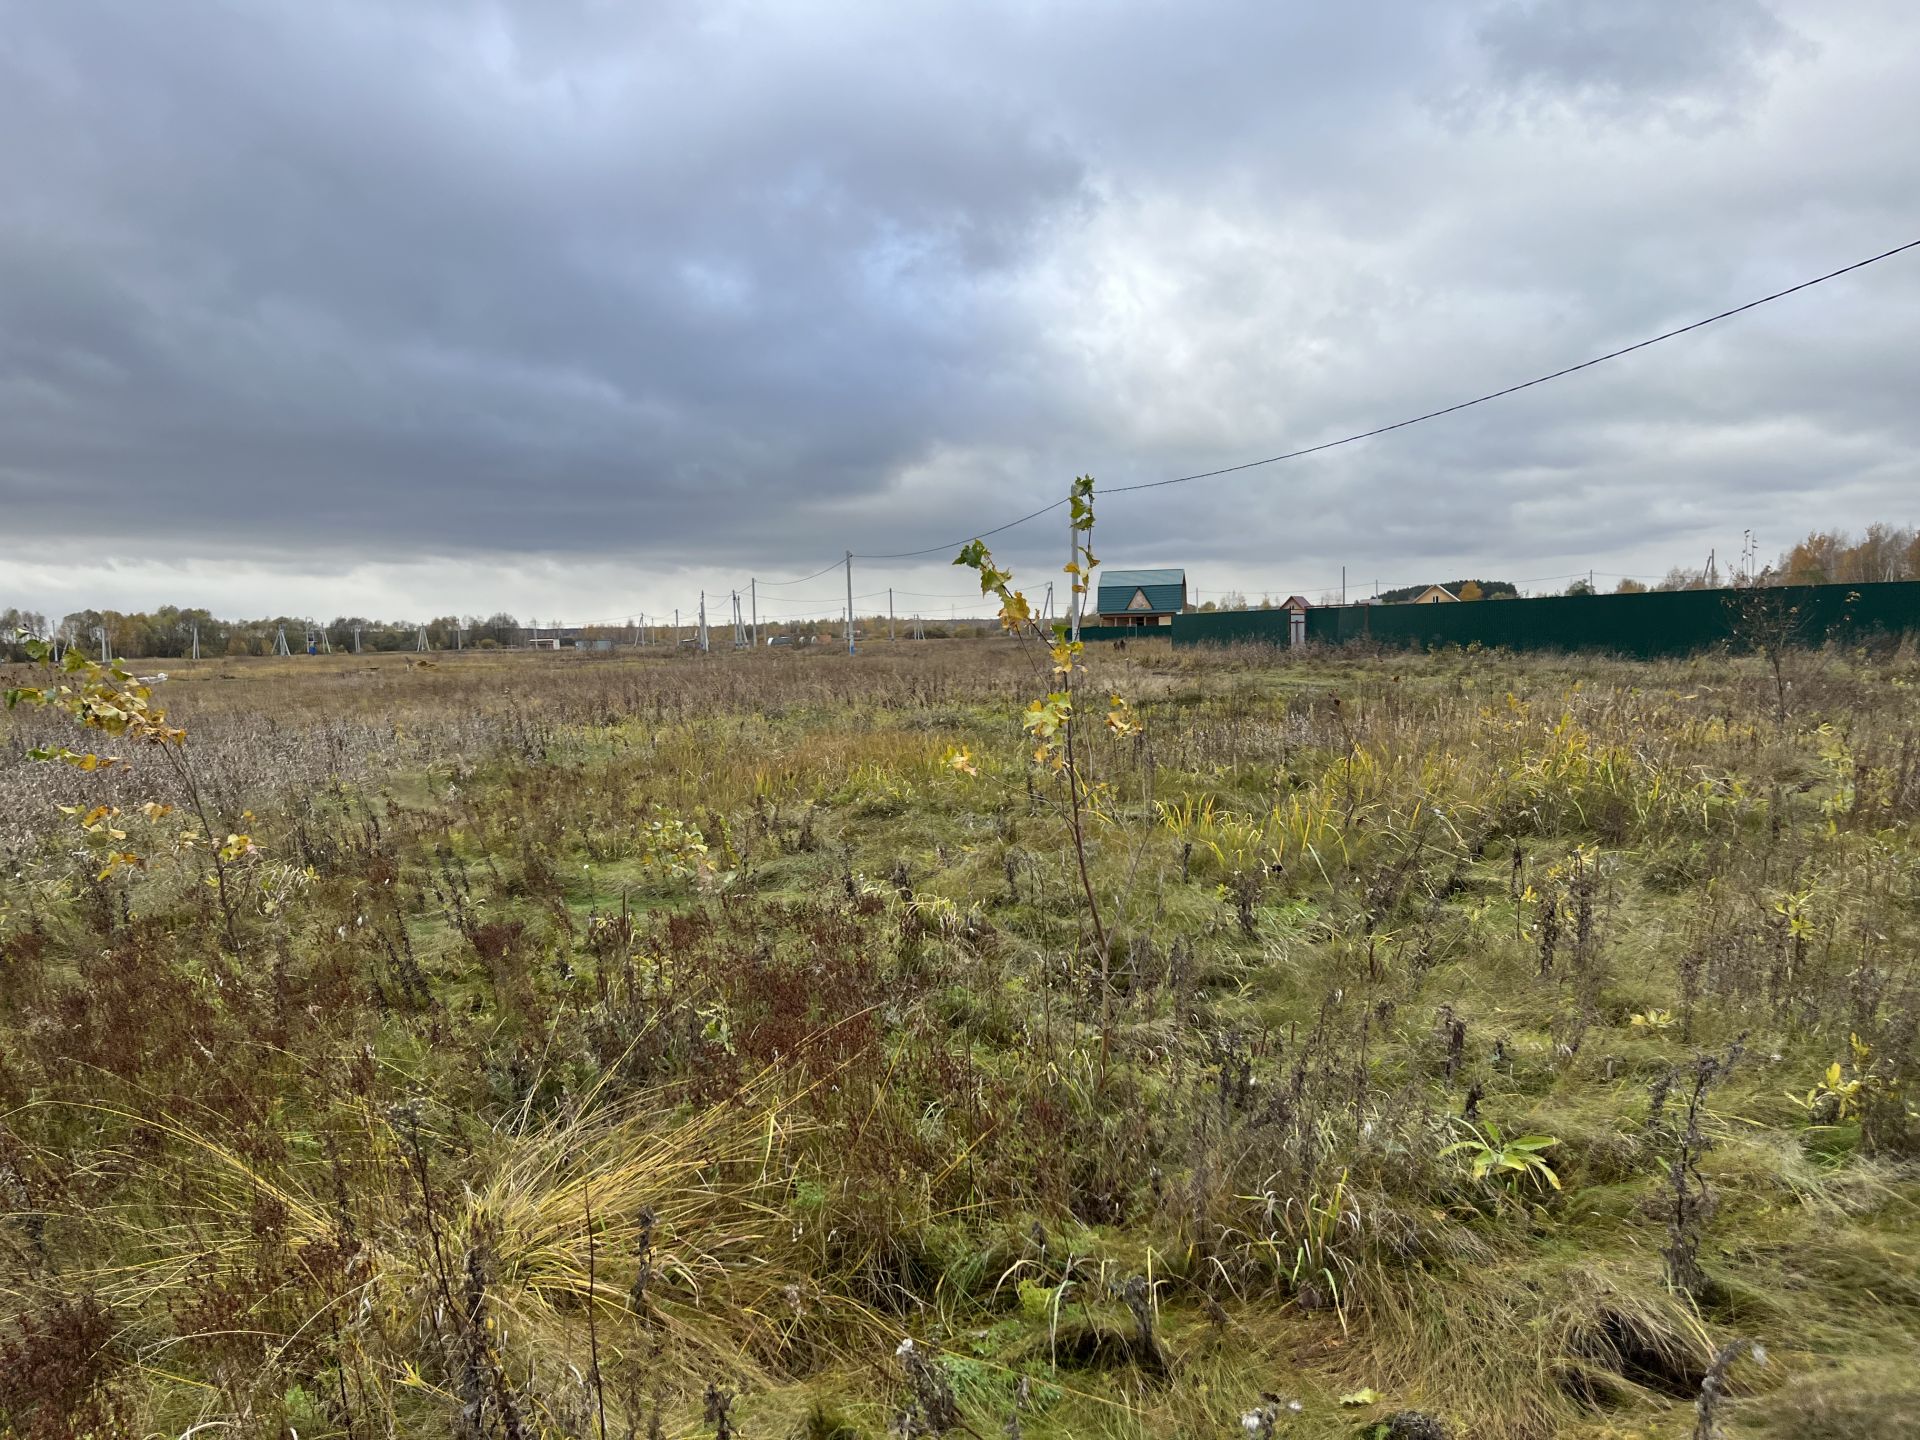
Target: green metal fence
x=1667 y=622
x=1129 y=632
x=1231 y=627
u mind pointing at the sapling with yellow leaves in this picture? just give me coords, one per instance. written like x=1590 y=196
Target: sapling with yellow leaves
x=1051 y=721
x=106 y=697
x=1854 y=1090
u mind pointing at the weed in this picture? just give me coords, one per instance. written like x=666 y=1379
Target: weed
x=1509 y=1161
x=586 y=1037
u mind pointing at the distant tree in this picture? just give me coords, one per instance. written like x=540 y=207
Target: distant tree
x=499 y=627
x=18 y=626
x=1489 y=590
x=1470 y=591
x=1814 y=561
x=1881 y=555
x=85 y=627
x=1579 y=587
x=1629 y=586
x=1681 y=578
x=212 y=631
x=1833 y=557
x=1233 y=600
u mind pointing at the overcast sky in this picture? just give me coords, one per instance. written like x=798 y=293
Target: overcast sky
x=571 y=307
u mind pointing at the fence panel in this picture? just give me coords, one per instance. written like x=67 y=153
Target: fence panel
x=1656 y=623
x=1127 y=632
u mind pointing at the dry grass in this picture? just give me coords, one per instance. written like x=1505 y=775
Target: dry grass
x=495 y=1041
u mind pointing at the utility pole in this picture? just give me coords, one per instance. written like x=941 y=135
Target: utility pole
x=196 y=639
x=849 y=602
x=753 y=610
x=280 y=643
x=420 y=640
x=703 y=622
x=891 y=637
x=356 y=639
x=1343 y=584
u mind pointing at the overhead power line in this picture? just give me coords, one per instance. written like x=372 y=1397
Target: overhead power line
x=835 y=565
x=1453 y=409
x=1377 y=430
x=1524 y=384
x=979 y=535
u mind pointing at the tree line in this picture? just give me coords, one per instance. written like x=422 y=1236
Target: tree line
x=168 y=632
x=1833 y=557
x=1824 y=557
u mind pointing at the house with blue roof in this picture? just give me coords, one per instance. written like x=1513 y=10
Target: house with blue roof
x=1140 y=598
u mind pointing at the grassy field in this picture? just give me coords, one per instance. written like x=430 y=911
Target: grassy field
x=618 y=1045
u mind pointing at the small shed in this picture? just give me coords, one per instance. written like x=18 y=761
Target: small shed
x=1296 y=607
x=1140 y=598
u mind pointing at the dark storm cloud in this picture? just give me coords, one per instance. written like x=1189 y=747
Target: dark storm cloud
x=425 y=272
x=743 y=285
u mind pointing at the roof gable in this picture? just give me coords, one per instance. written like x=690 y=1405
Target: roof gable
x=1152 y=592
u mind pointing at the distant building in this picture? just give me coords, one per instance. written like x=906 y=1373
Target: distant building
x=1140 y=598
x=1435 y=595
x=1296 y=607
x=568 y=637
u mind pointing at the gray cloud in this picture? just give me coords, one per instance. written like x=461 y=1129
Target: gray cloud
x=1636 y=59
x=734 y=287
